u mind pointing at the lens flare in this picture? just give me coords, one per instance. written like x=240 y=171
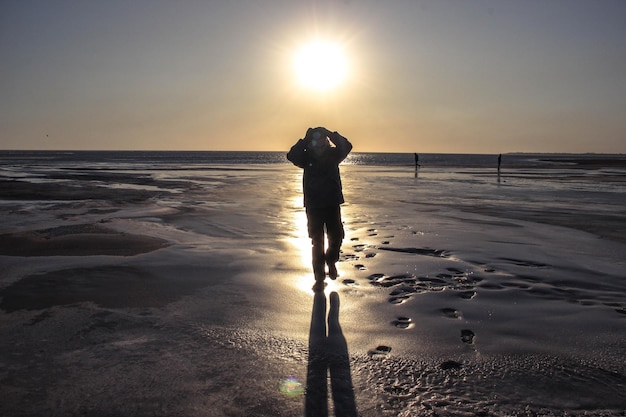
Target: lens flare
x=291 y=387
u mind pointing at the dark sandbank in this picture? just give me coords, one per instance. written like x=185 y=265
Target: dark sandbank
x=106 y=286
x=83 y=190
x=77 y=240
x=605 y=225
x=595 y=162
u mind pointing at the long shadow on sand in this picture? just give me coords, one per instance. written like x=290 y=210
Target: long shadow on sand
x=328 y=353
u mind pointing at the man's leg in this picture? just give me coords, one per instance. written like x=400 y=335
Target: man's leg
x=315 y=224
x=335 y=233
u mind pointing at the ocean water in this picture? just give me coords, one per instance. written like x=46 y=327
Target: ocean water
x=185 y=159
x=499 y=293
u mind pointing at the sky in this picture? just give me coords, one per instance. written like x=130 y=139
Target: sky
x=447 y=76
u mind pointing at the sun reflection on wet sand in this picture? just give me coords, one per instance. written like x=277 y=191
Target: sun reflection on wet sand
x=302 y=245
x=301 y=240
x=305 y=283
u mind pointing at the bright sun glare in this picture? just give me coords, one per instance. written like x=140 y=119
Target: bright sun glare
x=320 y=65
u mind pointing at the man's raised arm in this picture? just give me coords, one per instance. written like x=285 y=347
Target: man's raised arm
x=297 y=153
x=343 y=145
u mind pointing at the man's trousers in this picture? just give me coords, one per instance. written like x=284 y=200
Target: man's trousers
x=328 y=220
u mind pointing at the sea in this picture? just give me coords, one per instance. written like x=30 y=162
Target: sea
x=614 y=163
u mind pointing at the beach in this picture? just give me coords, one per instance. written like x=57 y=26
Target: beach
x=186 y=290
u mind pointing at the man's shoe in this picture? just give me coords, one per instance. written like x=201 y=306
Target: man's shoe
x=319 y=286
x=332 y=271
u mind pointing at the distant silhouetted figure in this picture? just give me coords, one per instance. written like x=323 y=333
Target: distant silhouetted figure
x=417 y=163
x=323 y=193
x=499 y=163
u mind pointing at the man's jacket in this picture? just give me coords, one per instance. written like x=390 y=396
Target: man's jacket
x=321 y=181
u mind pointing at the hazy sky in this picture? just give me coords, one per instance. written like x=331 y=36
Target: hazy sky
x=466 y=76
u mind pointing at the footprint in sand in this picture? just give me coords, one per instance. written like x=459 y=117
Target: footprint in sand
x=376 y=277
x=354 y=239
x=399 y=299
x=350 y=283
x=467 y=336
x=402 y=290
x=467 y=295
x=379 y=352
x=349 y=257
x=403 y=322
x=451 y=313
x=360 y=267
x=402 y=293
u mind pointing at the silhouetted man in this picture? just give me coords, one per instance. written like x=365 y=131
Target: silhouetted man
x=319 y=155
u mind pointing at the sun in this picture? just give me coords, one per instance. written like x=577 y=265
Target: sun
x=320 y=65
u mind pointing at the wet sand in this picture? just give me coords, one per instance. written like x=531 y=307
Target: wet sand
x=194 y=298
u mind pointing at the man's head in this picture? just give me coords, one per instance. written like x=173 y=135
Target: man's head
x=317 y=139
